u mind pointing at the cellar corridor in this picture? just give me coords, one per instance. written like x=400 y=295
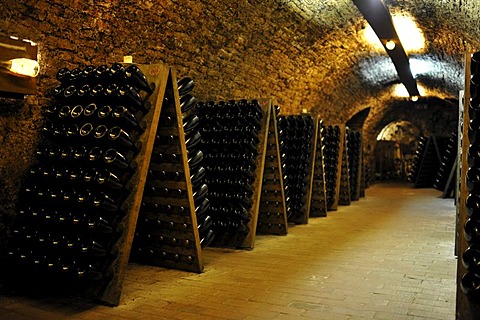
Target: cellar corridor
x=387 y=256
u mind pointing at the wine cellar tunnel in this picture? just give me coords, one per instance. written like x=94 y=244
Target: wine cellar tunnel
x=309 y=59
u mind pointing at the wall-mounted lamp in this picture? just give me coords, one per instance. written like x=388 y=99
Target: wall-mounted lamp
x=390 y=45
x=19 y=67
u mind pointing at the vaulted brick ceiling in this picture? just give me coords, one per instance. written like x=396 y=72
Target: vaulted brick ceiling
x=358 y=75
x=308 y=54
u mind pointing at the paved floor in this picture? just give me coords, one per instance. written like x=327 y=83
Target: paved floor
x=388 y=256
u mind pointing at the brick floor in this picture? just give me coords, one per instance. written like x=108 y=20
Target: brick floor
x=388 y=256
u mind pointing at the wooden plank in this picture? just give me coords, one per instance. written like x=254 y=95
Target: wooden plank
x=419 y=182
x=461 y=109
x=272 y=215
x=362 y=176
x=447 y=191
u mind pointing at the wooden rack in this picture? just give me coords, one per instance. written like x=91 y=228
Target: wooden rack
x=332 y=204
x=345 y=193
x=447 y=171
x=167 y=232
x=467 y=307
x=106 y=288
x=363 y=182
x=355 y=163
x=318 y=196
x=160 y=75
x=428 y=165
x=299 y=188
x=248 y=241
x=449 y=188
x=272 y=215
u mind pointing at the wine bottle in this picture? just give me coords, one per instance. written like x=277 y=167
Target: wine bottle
x=471 y=258
x=470 y=284
x=185 y=85
x=109 y=179
x=187 y=102
x=125 y=117
x=135 y=77
x=100 y=133
x=121 y=138
x=103 y=201
x=127 y=94
x=471 y=230
x=116 y=159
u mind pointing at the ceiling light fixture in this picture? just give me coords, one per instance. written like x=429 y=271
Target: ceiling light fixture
x=411 y=37
x=390 y=45
x=399 y=91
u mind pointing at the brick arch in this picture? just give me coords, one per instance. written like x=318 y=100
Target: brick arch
x=435 y=117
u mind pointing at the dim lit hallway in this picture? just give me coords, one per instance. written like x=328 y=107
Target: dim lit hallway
x=388 y=256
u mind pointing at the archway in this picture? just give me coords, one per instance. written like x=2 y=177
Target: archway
x=394 y=150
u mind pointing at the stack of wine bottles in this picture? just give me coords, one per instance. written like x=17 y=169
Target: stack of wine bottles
x=354 y=143
x=448 y=164
x=296 y=133
x=426 y=163
x=318 y=203
x=345 y=193
x=331 y=159
x=470 y=281
x=165 y=234
x=272 y=217
x=230 y=136
x=193 y=138
x=72 y=205
x=417 y=158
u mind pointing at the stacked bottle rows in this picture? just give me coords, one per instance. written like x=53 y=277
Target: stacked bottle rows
x=417 y=158
x=318 y=205
x=470 y=281
x=230 y=135
x=72 y=205
x=296 y=134
x=193 y=142
x=331 y=155
x=354 y=142
x=426 y=163
x=345 y=193
x=271 y=218
x=165 y=234
x=448 y=162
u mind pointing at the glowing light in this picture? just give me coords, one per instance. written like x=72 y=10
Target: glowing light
x=420 y=66
x=415 y=98
x=400 y=91
x=22 y=67
x=390 y=45
x=410 y=35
